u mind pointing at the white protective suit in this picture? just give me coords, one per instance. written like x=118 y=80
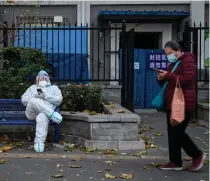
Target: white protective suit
x=41 y=105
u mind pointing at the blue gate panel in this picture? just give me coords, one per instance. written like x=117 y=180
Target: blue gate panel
x=139 y=78
x=65 y=68
x=63 y=48
x=146 y=86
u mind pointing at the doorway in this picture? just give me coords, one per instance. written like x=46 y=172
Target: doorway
x=145 y=84
x=147 y=40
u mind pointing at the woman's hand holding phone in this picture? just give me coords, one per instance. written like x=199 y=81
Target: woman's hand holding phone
x=157 y=70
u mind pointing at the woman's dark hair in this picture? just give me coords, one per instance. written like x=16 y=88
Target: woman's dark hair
x=173 y=45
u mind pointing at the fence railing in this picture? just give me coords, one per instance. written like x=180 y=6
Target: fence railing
x=196 y=40
x=78 y=53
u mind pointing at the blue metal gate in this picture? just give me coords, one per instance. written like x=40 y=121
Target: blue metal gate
x=146 y=86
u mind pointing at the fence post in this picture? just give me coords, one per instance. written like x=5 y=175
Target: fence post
x=13 y=34
x=187 y=38
x=123 y=68
x=5 y=34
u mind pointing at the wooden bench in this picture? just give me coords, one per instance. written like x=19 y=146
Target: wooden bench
x=12 y=112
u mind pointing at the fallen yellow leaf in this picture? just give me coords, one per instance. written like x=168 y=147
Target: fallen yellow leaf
x=108 y=162
x=140 y=153
x=108 y=176
x=110 y=155
x=59 y=165
x=2 y=161
x=145 y=138
x=195 y=124
x=154 y=165
x=110 y=152
x=146 y=168
x=18 y=144
x=186 y=167
x=158 y=134
x=187 y=159
x=6 y=148
x=10 y=1
x=126 y=176
x=75 y=166
x=149 y=146
x=90 y=149
x=121 y=111
x=76 y=159
x=57 y=176
x=92 y=113
x=112 y=106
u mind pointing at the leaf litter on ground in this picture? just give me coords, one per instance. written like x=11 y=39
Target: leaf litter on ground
x=2 y=161
x=75 y=166
x=148 y=142
x=110 y=152
x=57 y=176
x=126 y=176
x=109 y=176
x=154 y=165
x=140 y=154
x=108 y=169
x=108 y=162
x=90 y=149
x=158 y=134
x=59 y=165
x=6 y=148
x=76 y=159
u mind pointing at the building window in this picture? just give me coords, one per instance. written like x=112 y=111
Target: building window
x=38 y=20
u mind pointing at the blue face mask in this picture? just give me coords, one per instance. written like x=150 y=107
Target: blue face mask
x=172 y=58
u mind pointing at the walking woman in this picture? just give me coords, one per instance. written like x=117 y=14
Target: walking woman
x=177 y=137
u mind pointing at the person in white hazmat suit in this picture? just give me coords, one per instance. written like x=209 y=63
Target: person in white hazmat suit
x=41 y=100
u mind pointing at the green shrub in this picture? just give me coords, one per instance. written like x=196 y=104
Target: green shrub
x=82 y=97
x=20 y=67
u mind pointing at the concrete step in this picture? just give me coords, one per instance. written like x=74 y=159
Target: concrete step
x=203 y=114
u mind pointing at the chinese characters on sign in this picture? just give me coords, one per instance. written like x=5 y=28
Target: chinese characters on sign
x=158 y=60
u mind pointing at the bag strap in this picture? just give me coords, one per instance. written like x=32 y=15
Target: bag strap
x=178 y=83
x=174 y=68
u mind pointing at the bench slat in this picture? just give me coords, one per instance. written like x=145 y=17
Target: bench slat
x=11 y=101
x=19 y=122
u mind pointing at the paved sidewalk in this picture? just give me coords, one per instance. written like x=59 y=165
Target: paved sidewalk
x=23 y=164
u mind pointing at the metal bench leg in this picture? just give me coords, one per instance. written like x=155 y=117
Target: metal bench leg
x=57 y=133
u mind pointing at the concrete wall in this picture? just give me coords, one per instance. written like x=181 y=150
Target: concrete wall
x=112 y=93
x=66 y=11
x=207 y=14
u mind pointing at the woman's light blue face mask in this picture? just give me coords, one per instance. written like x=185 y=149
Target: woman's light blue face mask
x=172 y=58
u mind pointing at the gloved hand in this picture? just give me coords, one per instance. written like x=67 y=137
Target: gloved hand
x=40 y=96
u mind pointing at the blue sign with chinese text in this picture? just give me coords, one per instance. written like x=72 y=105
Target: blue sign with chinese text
x=157 y=60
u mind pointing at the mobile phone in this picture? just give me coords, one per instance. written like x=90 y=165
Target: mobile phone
x=157 y=70
x=39 y=90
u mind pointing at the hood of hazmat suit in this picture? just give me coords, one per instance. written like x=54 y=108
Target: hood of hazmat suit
x=42 y=79
x=41 y=100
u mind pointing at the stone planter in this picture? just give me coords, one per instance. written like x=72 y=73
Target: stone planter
x=203 y=114
x=112 y=130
